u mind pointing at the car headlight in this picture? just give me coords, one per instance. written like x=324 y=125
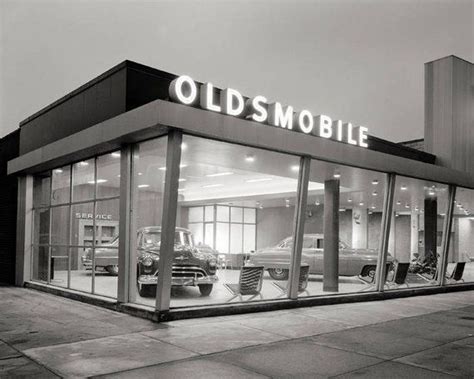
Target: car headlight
x=148 y=261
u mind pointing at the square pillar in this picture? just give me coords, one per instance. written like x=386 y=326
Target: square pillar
x=331 y=236
x=431 y=225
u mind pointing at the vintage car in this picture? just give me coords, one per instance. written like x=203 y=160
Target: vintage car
x=106 y=257
x=191 y=267
x=351 y=261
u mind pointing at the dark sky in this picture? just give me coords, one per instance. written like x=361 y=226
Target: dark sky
x=359 y=61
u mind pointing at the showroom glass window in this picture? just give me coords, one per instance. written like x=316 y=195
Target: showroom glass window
x=353 y=198
x=461 y=247
x=416 y=233
x=76 y=220
x=234 y=202
x=148 y=180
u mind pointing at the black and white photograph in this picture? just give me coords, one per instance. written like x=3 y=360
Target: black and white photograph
x=236 y=189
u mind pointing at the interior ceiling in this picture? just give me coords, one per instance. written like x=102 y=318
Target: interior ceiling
x=217 y=172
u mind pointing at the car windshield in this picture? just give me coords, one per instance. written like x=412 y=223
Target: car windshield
x=308 y=243
x=151 y=239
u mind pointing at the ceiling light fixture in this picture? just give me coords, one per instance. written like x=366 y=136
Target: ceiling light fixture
x=349 y=200
x=375 y=182
x=180 y=166
x=374 y=193
x=295 y=168
x=249 y=158
x=83 y=164
x=337 y=175
x=258 y=180
x=184 y=146
x=98 y=181
x=403 y=188
x=213 y=185
x=58 y=171
x=143 y=185
x=220 y=174
x=115 y=154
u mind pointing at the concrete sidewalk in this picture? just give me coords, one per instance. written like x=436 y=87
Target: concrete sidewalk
x=45 y=336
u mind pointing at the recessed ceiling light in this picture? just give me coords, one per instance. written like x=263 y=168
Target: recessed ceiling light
x=258 y=180
x=442 y=214
x=118 y=176
x=140 y=173
x=431 y=193
x=403 y=188
x=58 y=171
x=407 y=206
x=249 y=158
x=181 y=180
x=373 y=207
x=98 y=181
x=143 y=185
x=212 y=185
x=220 y=174
x=349 y=200
x=342 y=209
x=180 y=166
x=295 y=168
x=374 y=193
x=184 y=146
x=375 y=182
x=399 y=202
x=370 y=212
x=337 y=175
x=361 y=203
x=116 y=154
x=317 y=202
x=83 y=163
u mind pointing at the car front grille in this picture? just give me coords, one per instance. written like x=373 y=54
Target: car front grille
x=183 y=271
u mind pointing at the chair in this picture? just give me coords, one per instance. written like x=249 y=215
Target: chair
x=457 y=273
x=399 y=276
x=250 y=283
x=302 y=282
x=371 y=283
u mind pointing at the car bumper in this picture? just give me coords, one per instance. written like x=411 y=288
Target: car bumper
x=99 y=262
x=176 y=281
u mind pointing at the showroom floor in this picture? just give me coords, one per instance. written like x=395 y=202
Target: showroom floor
x=106 y=285
x=42 y=335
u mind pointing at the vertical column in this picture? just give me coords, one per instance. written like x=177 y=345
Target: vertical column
x=414 y=228
x=331 y=236
x=124 y=226
x=447 y=227
x=168 y=221
x=387 y=217
x=360 y=228
x=24 y=230
x=431 y=223
x=298 y=227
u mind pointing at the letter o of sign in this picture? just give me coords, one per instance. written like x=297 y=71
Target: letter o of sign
x=305 y=121
x=183 y=89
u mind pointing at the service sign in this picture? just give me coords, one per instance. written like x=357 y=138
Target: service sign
x=186 y=91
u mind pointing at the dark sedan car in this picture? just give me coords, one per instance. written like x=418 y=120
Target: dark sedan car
x=191 y=267
x=351 y=261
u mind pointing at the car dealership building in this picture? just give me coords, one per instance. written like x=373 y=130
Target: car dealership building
x=151 y=193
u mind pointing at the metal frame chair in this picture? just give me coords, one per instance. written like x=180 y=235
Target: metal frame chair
x=250 y=283
x=302 y=282
x=399 y=276
x=456 y=275
x=372 y=282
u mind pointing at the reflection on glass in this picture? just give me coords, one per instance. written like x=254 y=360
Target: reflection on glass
x=353 y=198
x=148 y=185
x=416 y=232
x=461 y=248
x=108 y=175
x=81 y=268
x=42 y=190
x=60 y=225
x=60 y=186
x=83 y=180
x=231 y=206
x=59 y=266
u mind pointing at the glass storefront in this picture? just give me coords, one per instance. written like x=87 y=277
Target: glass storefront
x=76 y=225
x=236 y=217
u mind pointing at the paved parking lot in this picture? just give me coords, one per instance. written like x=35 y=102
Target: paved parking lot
x=46 y=336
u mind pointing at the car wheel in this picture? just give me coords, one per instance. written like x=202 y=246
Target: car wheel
x=369 y=271
x=112 y=270
x=146 y=290
x=205 y=289
x=278 y=273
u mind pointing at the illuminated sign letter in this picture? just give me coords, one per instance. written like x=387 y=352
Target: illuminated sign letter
x=339 y=131
x=350 y=132
x=324 y=126
x=229 y=97
x=256 y=110
x=207 y=98
x=305 y=121
x=363 y=136
x=278 y=117
x=183 y=89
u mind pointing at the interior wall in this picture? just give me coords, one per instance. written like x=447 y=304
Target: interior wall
x=273 y=225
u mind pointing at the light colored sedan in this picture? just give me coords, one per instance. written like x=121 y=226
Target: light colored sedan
x=351 y=261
